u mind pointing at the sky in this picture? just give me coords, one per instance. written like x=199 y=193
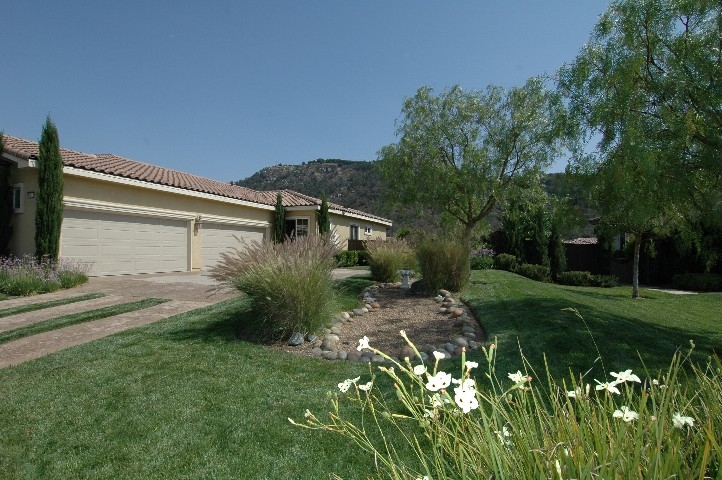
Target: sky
x=222 y=89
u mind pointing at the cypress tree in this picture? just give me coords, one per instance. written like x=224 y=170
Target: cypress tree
x=322 y=218
x=49 y=214
x=279 y=221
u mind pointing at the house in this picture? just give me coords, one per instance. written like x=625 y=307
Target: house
x=130 y=217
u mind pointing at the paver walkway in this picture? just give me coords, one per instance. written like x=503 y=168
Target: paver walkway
x=186 y=291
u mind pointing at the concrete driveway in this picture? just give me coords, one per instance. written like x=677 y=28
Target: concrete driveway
x=186 y=291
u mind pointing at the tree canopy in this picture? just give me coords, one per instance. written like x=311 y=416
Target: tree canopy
x=460 y=151
x=648 y=90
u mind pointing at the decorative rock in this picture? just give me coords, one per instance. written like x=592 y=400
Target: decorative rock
x=342 y=354
x=468 y=328
x=295 y=340
x=375 y=305
x=353 y=355
x=457 y=312
x=311 y=338
x=317 y=351
x=378 y=359
x=470 y=335
x=331 y=355
x=439 y=298
x=358 y=312
x=328 y=346
x=365 y=310
x=450 y=347
x=367 y=354
x=424 y=356
x=408 y=352
x=443 y=310
x=446 y=304
x=418 y=287
x=335 y=330
x=345 y=315
x=473 y=345
x=461 y=342
x=445 y=293
x=331 y=338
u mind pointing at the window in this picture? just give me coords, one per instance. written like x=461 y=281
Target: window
x=17 y=192
x=367 y=231
x=353 y=233
x=297 y=227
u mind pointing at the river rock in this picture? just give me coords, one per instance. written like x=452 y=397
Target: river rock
x=295 y=340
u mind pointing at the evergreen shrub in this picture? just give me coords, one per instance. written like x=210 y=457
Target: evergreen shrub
x=540 y=273
x=698 y=282
x=505 y=261
x=586 y=279
x=347 y=258
x=289 y=284
x=482 y=259
x=386 y=257
x=442 y=265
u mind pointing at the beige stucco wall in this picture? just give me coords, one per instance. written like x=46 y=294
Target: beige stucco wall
x=342 y=224
x=22 y=241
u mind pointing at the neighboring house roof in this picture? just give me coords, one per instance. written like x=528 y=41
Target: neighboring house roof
x=122 y=167
x=582 y=241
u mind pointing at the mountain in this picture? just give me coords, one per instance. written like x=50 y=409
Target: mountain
x=357 y=184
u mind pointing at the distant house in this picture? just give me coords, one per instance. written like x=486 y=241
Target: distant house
x=130 y=217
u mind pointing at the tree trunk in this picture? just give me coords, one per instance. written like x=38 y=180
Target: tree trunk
x=465 y=261
x=635 y=266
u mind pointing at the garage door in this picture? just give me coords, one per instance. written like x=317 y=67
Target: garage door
x=121 y=244
x=218 y=238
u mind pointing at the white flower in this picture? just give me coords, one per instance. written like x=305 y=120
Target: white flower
x=438 y=381
x=429 y=413
x=402 y=333
x=625 y=376
x=419 y=369
x=610 y=387
x=466 y=399
x=437 y=401
x=344 y=386
x=578 y=392
x=655 y=382
x=680 y=421
x=363 y=343
x=625 y=414
x=518 y=377
x=366 y=386
x=439 y=355
x=470 y=365
x=503 y=435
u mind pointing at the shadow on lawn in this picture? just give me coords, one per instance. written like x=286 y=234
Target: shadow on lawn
x=544 y=326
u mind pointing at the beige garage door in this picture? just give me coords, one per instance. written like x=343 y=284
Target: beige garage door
x=122 y=244
x=219 y=238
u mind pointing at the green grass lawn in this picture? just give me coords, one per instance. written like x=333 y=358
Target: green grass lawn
x=531 y=315
x=6 y=312
x=184 y=398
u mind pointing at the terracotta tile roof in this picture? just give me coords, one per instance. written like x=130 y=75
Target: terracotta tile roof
x=145 y=172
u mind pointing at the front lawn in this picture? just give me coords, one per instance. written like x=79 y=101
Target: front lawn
x=184 y=398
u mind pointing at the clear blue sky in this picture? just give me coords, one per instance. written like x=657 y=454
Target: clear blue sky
x=222 y=89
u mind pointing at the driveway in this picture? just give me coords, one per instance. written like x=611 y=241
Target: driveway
x=186 y=291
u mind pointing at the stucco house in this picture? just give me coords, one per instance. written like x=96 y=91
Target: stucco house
x=130 y=217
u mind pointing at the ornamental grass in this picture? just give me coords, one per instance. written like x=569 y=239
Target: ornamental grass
x=478 y=425
x=386 y=257
x=289 y=284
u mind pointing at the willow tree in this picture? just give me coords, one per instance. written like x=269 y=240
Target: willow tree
x=646 y=94
x=461 y=152
x=49 y=198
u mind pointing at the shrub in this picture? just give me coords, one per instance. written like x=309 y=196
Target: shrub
x=698 y=282
x=540 y=273
x=442 y=264
x=586 y=279
x=482 y=259
x=388 y=256
x=25 y=276
x=347 y=258
x=289 y=284
x=505 y=261
x=481 y=426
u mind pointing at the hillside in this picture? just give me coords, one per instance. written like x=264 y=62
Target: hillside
x=357 y=184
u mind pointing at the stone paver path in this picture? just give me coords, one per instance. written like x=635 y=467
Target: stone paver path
x=186 y=291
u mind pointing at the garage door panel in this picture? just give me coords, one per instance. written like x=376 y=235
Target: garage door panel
x=122 y=244
x=217 y=239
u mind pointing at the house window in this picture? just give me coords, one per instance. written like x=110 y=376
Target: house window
x=296 y=227
x=367 y=231
x=353 y=233
x=17 y=193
